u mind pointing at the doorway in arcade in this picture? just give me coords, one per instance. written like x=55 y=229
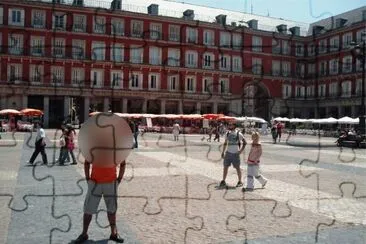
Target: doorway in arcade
x=56 y=112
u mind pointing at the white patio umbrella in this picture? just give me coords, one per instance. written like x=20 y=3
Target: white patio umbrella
x=329 y=120
x=282 y=119
x=297 y=120
x=346 y=120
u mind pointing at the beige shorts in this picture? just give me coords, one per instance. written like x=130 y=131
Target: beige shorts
x=95 y=193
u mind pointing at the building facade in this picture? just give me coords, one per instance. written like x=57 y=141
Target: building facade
x=67 y=58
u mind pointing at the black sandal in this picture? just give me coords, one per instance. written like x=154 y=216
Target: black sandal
x=82 y=238
x=116 y=238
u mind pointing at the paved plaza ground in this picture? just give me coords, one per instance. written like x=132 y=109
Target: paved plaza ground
x=316 y=194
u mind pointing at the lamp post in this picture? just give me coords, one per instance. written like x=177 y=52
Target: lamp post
x=359 y=51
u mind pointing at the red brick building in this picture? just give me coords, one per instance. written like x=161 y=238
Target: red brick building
x=67 y=57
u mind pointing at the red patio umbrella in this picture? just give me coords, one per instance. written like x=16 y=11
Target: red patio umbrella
x=31 y=112
x=212 y=116
x=9 y=111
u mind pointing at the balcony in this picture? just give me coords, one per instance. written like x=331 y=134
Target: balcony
x=16 y=50
x=155 y=61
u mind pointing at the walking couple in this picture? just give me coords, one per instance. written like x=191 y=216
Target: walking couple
x=233 y=147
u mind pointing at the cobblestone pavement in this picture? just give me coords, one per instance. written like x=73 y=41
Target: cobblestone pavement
x=169 y=195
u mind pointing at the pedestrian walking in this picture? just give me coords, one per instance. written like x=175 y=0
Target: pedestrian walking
x=217 y=134
x=40 y=145
x=233 y=146
x=253 y=161
x=176 y=130
x=274 y=134
x=62 y=142
x=279 y=127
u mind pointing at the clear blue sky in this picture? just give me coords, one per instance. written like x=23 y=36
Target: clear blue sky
x=298 y=10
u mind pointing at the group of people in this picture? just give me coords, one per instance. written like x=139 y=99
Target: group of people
x=234 y=145
x=276 y=131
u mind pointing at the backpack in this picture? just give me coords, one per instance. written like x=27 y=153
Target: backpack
x=237 y=138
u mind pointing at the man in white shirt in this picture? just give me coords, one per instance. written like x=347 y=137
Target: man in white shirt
x=40 y=145
x=233 y=146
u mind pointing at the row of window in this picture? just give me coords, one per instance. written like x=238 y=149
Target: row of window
x=155 y=32
x=97 y=79
x=335 y=89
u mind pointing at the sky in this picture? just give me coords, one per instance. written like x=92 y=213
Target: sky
x=307 y=11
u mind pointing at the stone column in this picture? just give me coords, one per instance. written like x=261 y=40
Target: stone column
x=162 y=106
x=124 y=105
x=198 y=108
x=86 y=108
x=144 y=106
x=106 y=104
x=291 y=113
x=316 y=112
x=46 y=111
x=66 y=106
x=327 y=115
x=214 y=109
x=180 y=107
x=340 y=112
x=354 y=111
x=25 y=101
x=3 y=102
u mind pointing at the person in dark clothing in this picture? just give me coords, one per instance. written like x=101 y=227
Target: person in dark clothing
x=40 y=145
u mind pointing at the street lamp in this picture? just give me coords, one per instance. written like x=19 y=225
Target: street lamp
x=359 y=52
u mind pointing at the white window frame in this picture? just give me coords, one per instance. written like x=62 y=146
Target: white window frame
x=207 y=88
x=152 y=53
x=237 y=41
x=224 y=86
x=57 y=74
x=58 y=47
x=187 y=85
x=16 y=48
x=56 y=20
x=225 y=39
x=347 y=64
x=17 y=77
x=99 y=24
x=311 y=69
x=323 y=68
x=257 y=44
x=36 y=74
x=117 y=52
x=358 y=90
x=300 y=70
x=285 y=47
x=359 y=65
x=346 y=88
x=191 y=59
x=225 y=62
x=208 y=37
x=117 y=27
x=257 y=66
x=285 y=68
x=299 y=47
x=300 y=92
x=209 y=62
x=155 y=31
x=79 y=23
x=286 y=91
x=346 y=40
x=333 y=89
x=131 y=82
x=237 y=64
x=78 y=49
x=334 y=43
x=116 y=75
x=191 y=35
x=137 y=28
x=333 y=66
x=99 y=83
x=98 y=48
x=21 y=17
x=174 y=33
x=322 y=46
x=276 y=67
x=310 y=91
x=138 y=57
x=173 y=57
x=276 y=46
x=311 y=49
x=1 y=15
x=157 y=81
x=77 y=76
x=37 y=46
x=322 y=92
x=172 y=78
x=38 y=18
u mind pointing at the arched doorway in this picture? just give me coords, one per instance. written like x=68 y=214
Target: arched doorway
x=256 y=100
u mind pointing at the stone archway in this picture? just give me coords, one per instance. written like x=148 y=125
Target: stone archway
x=256 y=100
